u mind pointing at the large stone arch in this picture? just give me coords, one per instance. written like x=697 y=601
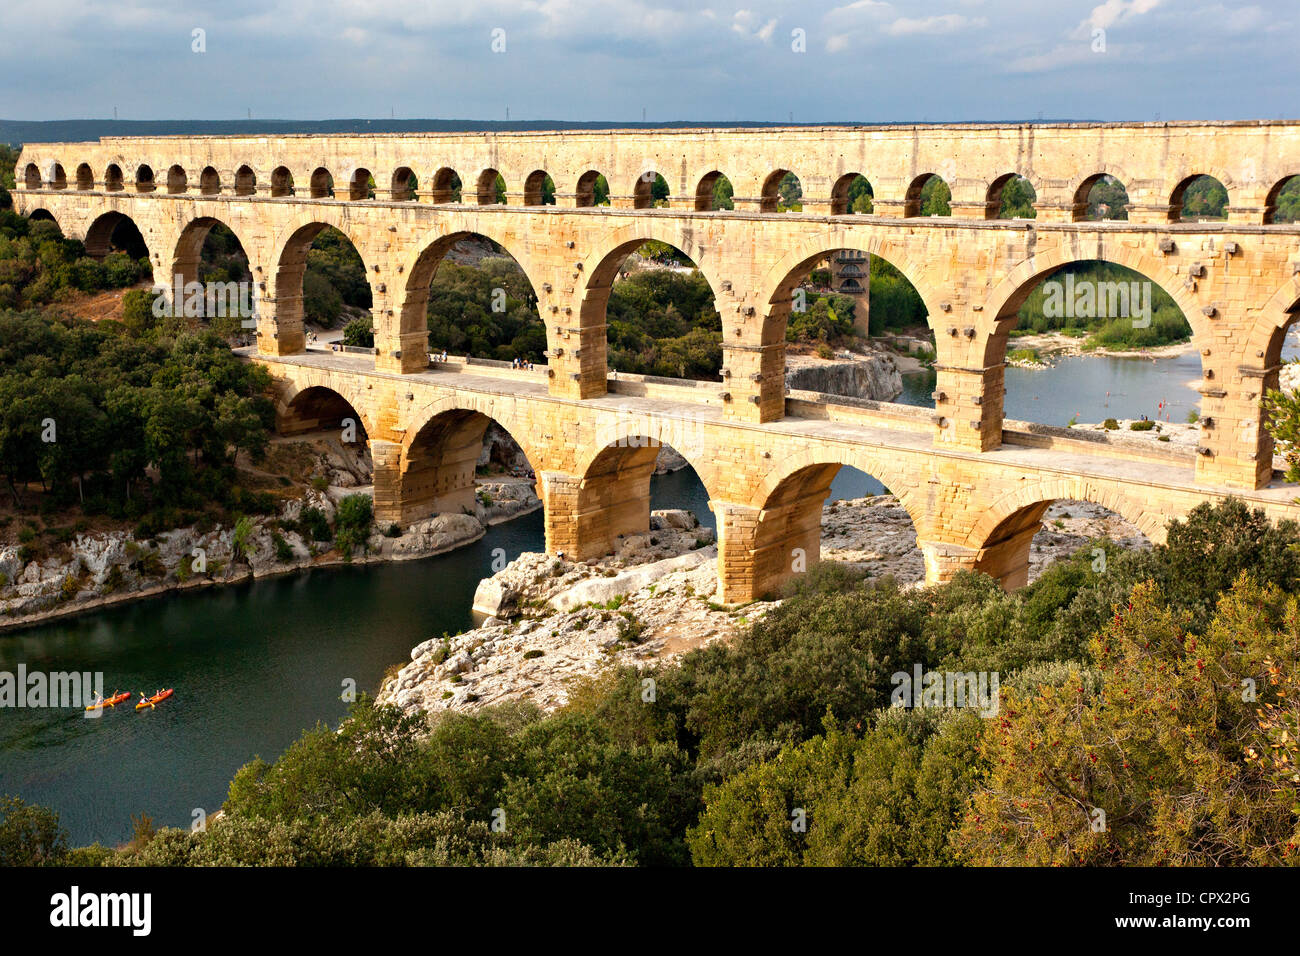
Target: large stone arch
x=439 y=454
x=775 y=288
x=292 y=393
x=901 y=481
x=288 y=262
x=612 y=494
x=1002 y=305
x=428 y=251
x=99 y=232
x=43 y=214
x=629 y=427
x=1001 y=539
x=506 y=411
x=1281 y=309
x=597 y=272
x=782 y=533
x=188 y=247
x=1137 y=510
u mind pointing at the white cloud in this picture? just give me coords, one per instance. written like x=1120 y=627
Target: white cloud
x=945 y=23
x=746 y=24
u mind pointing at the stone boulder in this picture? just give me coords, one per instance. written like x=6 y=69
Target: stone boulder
x=433 y=535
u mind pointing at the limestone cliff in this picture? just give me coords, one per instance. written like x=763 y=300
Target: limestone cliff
x=874 y=375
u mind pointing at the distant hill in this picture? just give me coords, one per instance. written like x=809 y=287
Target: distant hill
x=16 y=132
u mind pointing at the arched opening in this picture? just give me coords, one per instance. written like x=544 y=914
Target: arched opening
x=1011 y=197
x=322 y=183
x=446 y=186
x=144 y=182
x=1100 y=197
x=1283 y=202
x=831 y=511
x=321 y=281
x=928 y=195
x=404 y=185
x=32 y=177
x=115 y=232
x=177 y=182
x=113 y=179
x=659 y=312
x=491 y=188
x=44 y=215
x=245 y=181
x=539 y=189
x=209 y=182
x=1102 y=349
x=642 y=499
x=320 y=409
x=471 y=298
x=1199 y=199
x=1028 y=541
x=851 y=194
x=714 y=192
x=650 y=190
x=462 y=462
x=593 y=189
x=782 y=192
x=216 y=279
x=43 y=227
x=85 y=177
x=281 y=181
x=361 y=185
x=58 y=178
x=855 y=327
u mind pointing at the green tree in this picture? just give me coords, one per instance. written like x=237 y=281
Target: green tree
x=30 y=835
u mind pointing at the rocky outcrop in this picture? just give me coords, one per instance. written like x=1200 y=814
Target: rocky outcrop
x=553 y=622
x=502 y=452
x=669 y=460
x=874 y=375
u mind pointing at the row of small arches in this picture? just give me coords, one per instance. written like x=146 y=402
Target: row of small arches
x=780 y=190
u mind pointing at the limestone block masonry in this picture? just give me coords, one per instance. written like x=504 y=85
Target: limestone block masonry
x=974 y=484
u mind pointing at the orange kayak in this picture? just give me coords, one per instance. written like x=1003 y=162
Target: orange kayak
x=110 y=701
x=161 y=695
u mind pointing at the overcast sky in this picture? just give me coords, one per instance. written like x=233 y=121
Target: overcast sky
x=864 y=60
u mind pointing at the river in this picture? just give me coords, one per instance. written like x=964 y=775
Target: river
x=255 y=664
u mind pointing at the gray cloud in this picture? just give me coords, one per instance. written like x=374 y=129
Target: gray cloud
x=868 y=60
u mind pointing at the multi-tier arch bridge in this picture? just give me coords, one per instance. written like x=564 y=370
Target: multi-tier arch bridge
x=974 y=483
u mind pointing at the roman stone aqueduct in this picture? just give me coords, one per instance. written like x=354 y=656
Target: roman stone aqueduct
x=976 y=485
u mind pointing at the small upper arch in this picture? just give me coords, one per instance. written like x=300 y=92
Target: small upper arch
x=402 y=185
x=491 y=188
x=209 y=182
x=928 y=195
x=281 y=181
x=1011 y=196
x=177 y=181
x=713 y=192
x=592 y=189
x=245 y=181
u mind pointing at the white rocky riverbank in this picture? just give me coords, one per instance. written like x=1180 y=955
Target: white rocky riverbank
x=99 y=569
x=558 y=621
